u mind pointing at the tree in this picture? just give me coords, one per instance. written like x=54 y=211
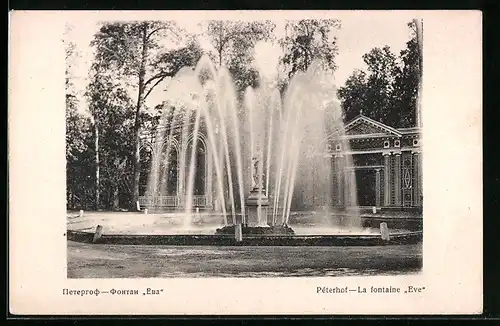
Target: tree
x=306 y=40
x=372 y=91
x=353 y=94
x=134 y=50
x=407 y=80
x=78 y=158
x=77 y=134
x=233 y=38
x=113 y=118
x=74 y=141
x=387 y=91
x=382 y=65
x=233 y=43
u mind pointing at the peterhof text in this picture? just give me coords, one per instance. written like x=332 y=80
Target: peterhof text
x=113 y=291
x=371 y=289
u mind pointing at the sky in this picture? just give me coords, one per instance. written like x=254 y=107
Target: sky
x=357 y=36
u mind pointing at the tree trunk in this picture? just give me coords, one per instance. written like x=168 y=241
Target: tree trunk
x=97 y=180
x=69 y=199
x=420 y=27
x=137 y=168
x=137 y=136
x=306 y=60
x=116 y=196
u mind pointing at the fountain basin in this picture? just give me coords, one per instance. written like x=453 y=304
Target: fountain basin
x=257 y=230
x=402 y=238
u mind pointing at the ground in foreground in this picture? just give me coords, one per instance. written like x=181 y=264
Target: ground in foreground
x=143 y=261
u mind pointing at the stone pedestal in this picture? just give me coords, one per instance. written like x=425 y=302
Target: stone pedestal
x=97 y=233
x=384 y=231
x=257 y=204
x=238 y=234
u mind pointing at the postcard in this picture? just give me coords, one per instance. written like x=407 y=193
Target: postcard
x=245 y=162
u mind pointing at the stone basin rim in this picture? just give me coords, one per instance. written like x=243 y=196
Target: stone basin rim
x=410 y=237
x=247 y=236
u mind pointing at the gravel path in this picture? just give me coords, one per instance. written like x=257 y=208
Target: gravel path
x=118 y=261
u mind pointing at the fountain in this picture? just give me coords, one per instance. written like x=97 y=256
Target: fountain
x=262 y=159
x=275 y=142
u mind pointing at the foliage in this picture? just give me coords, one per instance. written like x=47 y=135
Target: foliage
x=133 y=56
x=79 y=157
x=407 y=80
x=113 y=116
x=353 y=94
x=233 y=38
x=74 y=122
x=78 y=137
x=234 y=43
x=112 y=111
x=134 y=50
x=306 y=40
x=387 y=91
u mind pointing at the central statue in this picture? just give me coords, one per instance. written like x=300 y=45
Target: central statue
x=256 y=220
x=257 y=172
x=255 y=175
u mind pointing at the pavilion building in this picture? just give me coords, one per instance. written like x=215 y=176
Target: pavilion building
x=386 y=164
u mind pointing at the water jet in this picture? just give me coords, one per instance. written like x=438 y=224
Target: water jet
x=252 y=162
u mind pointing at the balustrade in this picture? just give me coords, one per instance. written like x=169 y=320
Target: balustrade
x=172 y=201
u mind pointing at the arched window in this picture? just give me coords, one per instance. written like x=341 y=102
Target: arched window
x=200 y=161
x=169 y=170
x=172 y=174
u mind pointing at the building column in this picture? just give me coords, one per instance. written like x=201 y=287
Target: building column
x=416 y=178
x=349 y=194
x=208 y=174
x=333 y=183
x=387 y=177
x=397 y=179
x=182 y=174
x=377 y=187
x=339 y=169
x=153 y=186
x=177 y=190
x=326 y=192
